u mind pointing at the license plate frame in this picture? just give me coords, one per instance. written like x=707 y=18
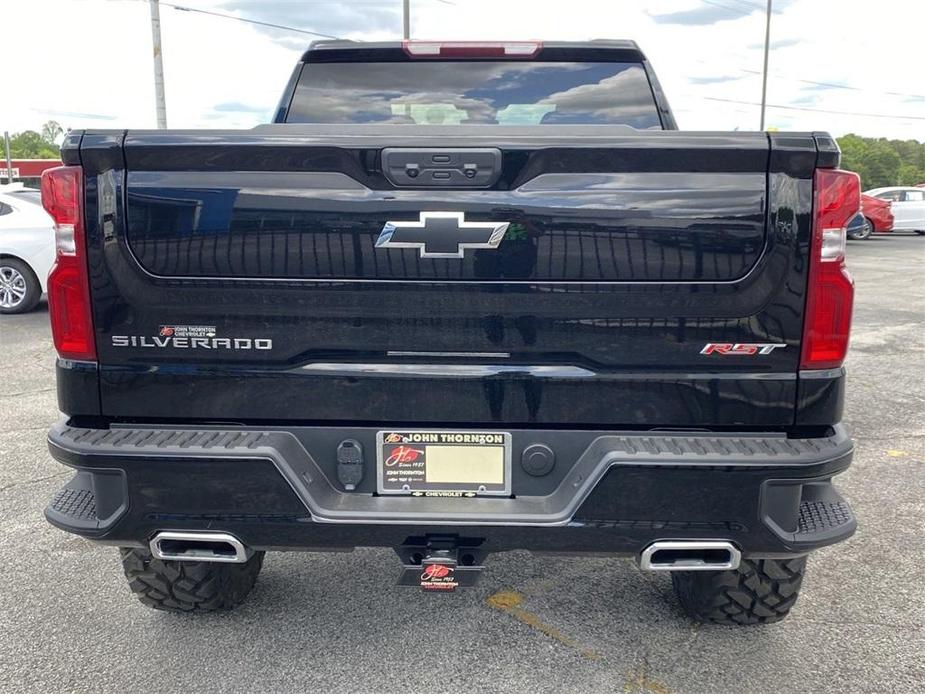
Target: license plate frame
x=446 y=451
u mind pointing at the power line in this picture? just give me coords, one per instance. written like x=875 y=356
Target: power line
x=813 y=110
x=756 y=8
x=739 y=7
x=791 y=78
x=735 y=10
x=184 y=8
x=835 y=85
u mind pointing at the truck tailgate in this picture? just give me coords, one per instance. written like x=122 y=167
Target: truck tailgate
x=236 y=276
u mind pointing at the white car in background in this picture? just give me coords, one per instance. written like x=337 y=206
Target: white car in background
x=908 y=206
x=27 y=248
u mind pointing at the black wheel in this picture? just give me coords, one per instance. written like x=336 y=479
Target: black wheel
x=20 y=290
x=189 y=586
x=760 y=591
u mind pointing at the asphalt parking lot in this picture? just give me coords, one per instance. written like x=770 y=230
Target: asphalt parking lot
x=335 y=622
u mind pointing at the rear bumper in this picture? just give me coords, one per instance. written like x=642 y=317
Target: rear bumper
x=610 y=492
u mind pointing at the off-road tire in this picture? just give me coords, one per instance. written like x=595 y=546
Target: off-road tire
x=760 y=591
x=189 y=586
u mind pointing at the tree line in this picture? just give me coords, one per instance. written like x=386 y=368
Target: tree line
x=30 y=144
x=882 y=162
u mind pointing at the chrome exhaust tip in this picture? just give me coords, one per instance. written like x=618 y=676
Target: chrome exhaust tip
x=690 y=555
x=180 y=545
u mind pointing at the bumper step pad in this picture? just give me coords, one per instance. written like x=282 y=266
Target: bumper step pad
x=76 y=504
x=823 y=516
x=819 y=516
x=664 y=448
x=90 y=502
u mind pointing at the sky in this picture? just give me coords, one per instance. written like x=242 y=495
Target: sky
x=835 y=65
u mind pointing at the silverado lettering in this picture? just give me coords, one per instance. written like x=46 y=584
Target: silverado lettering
x=191 y=342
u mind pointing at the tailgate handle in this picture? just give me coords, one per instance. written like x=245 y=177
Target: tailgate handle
x=464 y=167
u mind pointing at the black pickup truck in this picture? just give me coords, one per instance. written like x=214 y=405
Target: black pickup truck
x=459 y=298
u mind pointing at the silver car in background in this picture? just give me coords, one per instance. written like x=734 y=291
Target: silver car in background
x=908 y=206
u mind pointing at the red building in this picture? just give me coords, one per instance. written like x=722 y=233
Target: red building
x=27 y=171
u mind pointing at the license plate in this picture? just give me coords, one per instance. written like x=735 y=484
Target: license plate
x=444 y=463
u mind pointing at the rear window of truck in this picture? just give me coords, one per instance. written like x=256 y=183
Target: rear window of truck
x=475 y=92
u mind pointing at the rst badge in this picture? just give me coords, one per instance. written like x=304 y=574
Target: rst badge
x=740 y=349
x=441 y=234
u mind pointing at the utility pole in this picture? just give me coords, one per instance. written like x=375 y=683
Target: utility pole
x=9 y=162
x=161 y=104
x=764 y=74
x=406 y=19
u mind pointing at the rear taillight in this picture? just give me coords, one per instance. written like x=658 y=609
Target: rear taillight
x=830 y=291
x=472 y=49
x=68 y=284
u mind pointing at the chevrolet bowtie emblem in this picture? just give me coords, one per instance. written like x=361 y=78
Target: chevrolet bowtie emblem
x=442 y=234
